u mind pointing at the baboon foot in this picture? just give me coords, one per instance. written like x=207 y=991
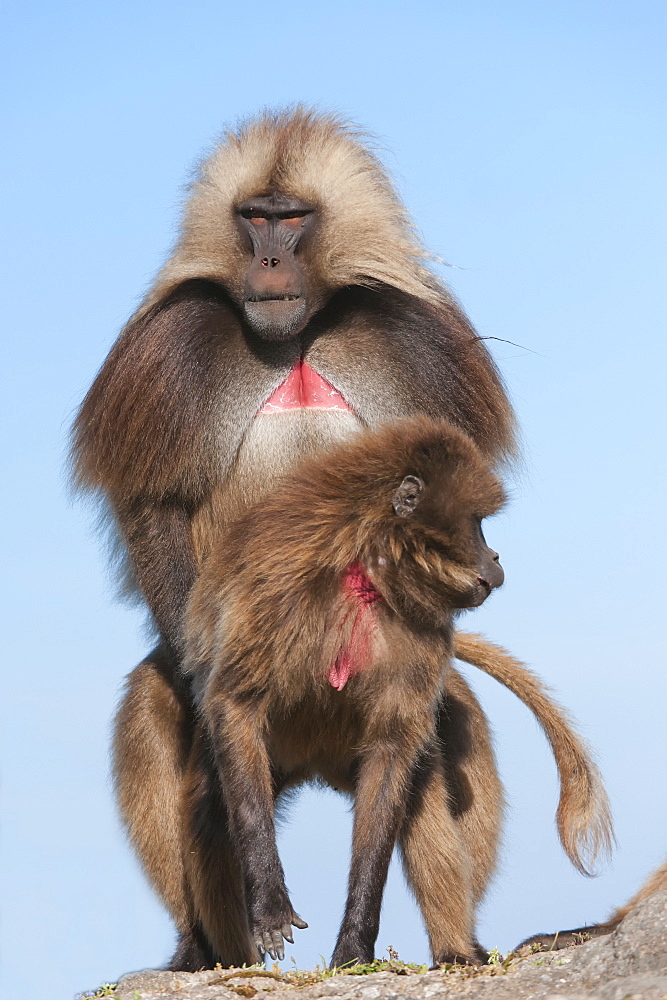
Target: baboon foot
x=351 y=950
x=193 y=953
x=476 y=956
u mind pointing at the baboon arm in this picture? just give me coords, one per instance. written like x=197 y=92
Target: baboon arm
x=245 y=776
x=565 y=939
x=562 y=939
x=160 y=546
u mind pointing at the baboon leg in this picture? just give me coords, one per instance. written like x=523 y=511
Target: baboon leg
x=386 y=775
x=150 y=748
x=173 y=815
x=476 y=794
x=193 y=952
x=450 y=839
x=214 y=875
x=437 y=865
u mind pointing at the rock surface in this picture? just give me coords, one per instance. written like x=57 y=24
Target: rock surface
x=629 y=964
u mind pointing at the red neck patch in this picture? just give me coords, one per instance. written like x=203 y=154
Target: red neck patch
x=305 y=388
x=358 y=589
x=357 y=582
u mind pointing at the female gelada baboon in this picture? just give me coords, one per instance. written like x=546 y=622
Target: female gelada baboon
x=319 y=636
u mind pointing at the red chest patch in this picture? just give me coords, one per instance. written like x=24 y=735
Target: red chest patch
x=304 y=387
x=361 y=595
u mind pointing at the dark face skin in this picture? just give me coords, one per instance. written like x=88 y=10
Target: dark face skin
x=276 y=299
x=490 y=573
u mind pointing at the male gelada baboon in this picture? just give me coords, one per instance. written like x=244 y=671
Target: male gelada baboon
x=656 y=881
x=295 y=310
x=319 y=640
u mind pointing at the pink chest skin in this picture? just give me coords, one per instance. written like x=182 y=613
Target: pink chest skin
x=305 y=388
x=362 y=595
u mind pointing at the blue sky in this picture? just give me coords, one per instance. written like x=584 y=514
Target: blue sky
x=528 y=140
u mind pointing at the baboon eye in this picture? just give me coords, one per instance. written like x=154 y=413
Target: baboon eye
x=255 y=215
x=407 y=496
x=294 y=221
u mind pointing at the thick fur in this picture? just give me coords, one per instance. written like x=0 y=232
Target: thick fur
x=583 y=817
x=170 y=436
x=174 y=399
x=324 y=161
x=269 y=616
x=656 y=881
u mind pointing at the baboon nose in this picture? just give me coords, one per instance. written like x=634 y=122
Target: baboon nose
x=494 y=575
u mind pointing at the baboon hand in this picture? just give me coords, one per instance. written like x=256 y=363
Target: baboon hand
x=269 y=930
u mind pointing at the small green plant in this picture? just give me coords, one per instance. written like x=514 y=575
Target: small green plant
x=299 y=978
x=105 y=990
x=302 y=977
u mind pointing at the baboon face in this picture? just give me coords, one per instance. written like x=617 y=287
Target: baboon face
x=434 y=557
x=277 y=297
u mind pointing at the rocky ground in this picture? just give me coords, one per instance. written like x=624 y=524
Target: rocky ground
x=629 y=964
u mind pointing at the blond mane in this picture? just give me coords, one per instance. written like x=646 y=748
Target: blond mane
x=365 y=232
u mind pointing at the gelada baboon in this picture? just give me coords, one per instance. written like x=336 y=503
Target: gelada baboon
x=319 y=639
x=656 y=881
x=296 y=308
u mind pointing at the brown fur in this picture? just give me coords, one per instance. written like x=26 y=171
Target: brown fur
x=152 y=717
x=150 y=427
x=170 y=435
x=583 y=817
x=266 y=620
x=656 y=881
x=325 y=162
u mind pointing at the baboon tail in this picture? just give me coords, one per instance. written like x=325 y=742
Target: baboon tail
x=583 y=818
x=656 y=881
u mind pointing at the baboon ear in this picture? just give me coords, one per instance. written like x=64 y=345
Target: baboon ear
x=407 y=496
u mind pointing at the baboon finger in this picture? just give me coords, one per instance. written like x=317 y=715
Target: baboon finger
x=278 y=945
x=261 y=943
x=267 y=945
